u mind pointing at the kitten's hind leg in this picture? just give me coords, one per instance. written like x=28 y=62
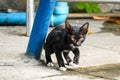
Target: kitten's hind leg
x=48 y=59
x=50 y=64
x=60 y=60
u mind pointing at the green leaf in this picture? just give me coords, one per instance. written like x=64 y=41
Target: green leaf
x=80 y=6
x=88 y=9
x=96 y=10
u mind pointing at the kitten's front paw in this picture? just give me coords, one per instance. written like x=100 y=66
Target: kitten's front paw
x=75 y=66
x=72 y=65
x=50 y=64
x=62 y=69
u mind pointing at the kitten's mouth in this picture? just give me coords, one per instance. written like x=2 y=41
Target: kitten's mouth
x=77 y=44
x=74 y=46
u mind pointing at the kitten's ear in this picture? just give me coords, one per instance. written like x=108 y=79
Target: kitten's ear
x=67 y=26
x=84 y=28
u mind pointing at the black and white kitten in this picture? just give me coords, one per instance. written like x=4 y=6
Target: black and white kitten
x=64 y=39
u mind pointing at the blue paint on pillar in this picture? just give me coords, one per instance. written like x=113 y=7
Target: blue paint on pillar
x=40 y=27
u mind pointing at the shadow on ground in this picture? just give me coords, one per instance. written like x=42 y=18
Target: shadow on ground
x=106 y=72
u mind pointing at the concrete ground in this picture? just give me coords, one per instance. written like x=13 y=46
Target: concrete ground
x=100 y=55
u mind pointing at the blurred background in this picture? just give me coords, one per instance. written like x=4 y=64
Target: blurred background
x=20 y=5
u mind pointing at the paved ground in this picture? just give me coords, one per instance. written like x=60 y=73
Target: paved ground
x=100 y=55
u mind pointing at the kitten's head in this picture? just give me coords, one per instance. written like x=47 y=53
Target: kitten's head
x=76 y=35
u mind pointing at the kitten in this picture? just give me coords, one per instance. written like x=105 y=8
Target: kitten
x=64 y=39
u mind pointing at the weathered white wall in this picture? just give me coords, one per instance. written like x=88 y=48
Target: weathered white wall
x=110 y=7
x=13 y=4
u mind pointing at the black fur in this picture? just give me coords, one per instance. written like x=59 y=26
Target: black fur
x=64 y=39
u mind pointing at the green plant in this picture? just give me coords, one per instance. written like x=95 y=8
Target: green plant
x=89 y=7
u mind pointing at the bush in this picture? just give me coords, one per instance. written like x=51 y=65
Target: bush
x=89 y=7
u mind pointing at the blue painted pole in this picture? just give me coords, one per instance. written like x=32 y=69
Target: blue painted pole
x=40 y=27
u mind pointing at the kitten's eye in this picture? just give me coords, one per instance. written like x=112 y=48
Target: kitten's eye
x=81 y=39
